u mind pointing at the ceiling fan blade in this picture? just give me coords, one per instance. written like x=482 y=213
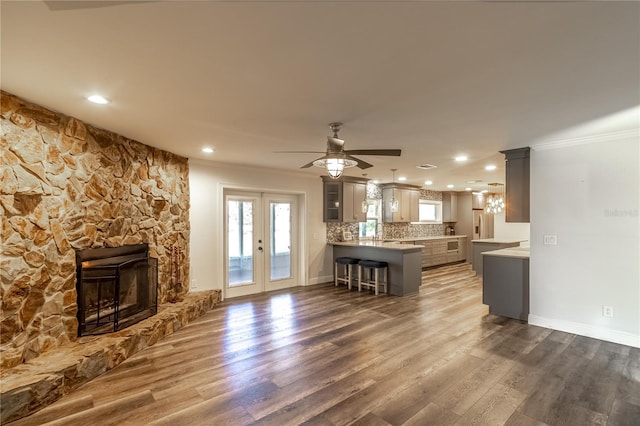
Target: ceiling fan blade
x=298 y=152
x=361 y=164
x=389 y=152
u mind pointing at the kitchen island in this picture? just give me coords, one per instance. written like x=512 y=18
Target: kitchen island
x=489 y=244
x=505 y=282
x=405 y=272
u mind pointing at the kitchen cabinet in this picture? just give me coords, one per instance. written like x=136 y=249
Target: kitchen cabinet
x=352 y=195
x=342 y=199
x=462 y=248
x=517 y=184
x=489 y=244
x=505 y=283
x=332 y=201
x=449 y=206
x=436 y=251
x=408 y=203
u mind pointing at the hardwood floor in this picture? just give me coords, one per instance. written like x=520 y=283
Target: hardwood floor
x=322 y=355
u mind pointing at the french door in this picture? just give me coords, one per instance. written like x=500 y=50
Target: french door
x=260 y=242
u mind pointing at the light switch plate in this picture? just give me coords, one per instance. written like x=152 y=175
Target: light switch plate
x=550 y=240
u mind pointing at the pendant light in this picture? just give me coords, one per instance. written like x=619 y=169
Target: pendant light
x=495 y=199
x=365 y=203
x=393 y=204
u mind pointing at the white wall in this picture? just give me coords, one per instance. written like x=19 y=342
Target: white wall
x=503 y=230
x=587 y=193
x=206 y=183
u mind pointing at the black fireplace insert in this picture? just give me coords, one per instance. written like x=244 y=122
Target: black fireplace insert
x=116 y=287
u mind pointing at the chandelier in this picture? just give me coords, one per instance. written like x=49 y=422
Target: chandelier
x=495 y=199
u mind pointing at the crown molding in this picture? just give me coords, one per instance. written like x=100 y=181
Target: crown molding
x=604 y=137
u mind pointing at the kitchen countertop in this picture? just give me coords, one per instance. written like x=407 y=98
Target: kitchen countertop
x=516 y=252
x=497 y=241
x=438 y=237
x=379 y=244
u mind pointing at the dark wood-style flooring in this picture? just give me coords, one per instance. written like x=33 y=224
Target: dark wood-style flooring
x=326 y=356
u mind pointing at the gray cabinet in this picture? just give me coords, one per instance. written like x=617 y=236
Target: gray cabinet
x=505 y=286
x=342 y=199
x=352 y=196
x=449 y=206
x=332 y=201
x=517 y=184
x=462 y=248
x=408 y=203
x=480 y=247
x=436 y=252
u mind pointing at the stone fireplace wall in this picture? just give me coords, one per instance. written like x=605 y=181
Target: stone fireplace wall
x=67 y=185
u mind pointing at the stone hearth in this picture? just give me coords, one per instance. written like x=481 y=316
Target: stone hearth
x=31 y=386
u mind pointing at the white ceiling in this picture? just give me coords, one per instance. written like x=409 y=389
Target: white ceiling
x=435 y=79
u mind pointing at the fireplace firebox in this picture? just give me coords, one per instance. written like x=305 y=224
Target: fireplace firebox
x=116 y=287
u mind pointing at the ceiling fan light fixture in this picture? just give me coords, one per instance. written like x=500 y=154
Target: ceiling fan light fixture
x=335 y=164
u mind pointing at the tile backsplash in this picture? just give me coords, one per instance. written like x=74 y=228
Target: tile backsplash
x=335 y=230
x=386 y=231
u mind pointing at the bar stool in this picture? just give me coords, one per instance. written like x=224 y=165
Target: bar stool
x=347 y=277
x=373 y=280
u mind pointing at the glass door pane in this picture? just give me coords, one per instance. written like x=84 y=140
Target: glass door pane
x=280 y=238
x=240 y=242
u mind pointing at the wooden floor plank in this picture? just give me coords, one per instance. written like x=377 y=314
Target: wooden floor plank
x=323 y=355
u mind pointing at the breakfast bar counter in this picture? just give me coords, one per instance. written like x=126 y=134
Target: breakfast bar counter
x=405 y=272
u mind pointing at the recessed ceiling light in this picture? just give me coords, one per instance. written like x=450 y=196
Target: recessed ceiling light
x=208 y=150
x=474 y=181
x=450 y=186
x=467 y=189
x=428 y=182
x=490 y=167
x=97 y=99
x=461 y=158
x=402 y=178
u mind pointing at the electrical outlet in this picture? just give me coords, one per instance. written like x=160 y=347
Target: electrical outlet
x=607 y=311
x=550 y=240
x=194 y=284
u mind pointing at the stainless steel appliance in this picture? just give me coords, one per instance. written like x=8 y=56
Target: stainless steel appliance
x=482 y=225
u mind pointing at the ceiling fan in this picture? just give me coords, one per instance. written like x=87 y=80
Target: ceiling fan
x=336 y=158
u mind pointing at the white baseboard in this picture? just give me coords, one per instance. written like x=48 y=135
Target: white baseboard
x=615 y=336
x=321 y=280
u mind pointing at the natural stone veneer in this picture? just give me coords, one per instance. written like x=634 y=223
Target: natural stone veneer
x=31 y=386
x=66 y=185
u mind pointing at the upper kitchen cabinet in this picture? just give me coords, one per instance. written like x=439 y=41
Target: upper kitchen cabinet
x=342 y=199
x=332 y=201
x=353 y=193
x=449 y=206
x=408 y=202
x=517 y=184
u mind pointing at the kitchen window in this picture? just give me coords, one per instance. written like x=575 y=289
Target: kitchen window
x=430 y=211
x=369 y=228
